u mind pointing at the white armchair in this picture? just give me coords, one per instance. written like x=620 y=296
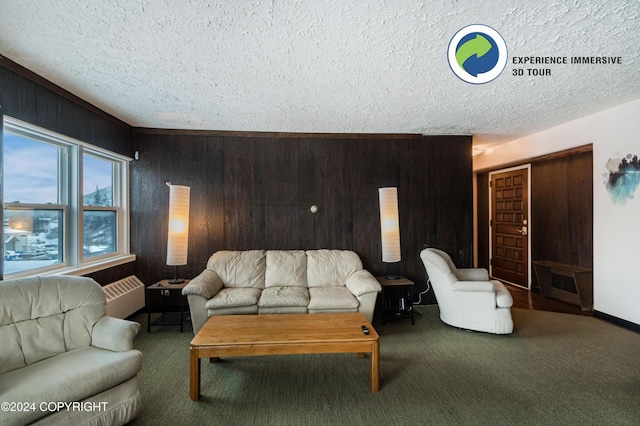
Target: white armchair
x=57 y=345
x=466 y=298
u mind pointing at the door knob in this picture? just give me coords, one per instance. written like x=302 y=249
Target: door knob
x=523 y=231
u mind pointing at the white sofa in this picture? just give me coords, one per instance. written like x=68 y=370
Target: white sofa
x=281 y=281
x=466 y=298
x=58 y=346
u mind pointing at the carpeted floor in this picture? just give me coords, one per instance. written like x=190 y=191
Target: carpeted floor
x=555 y=369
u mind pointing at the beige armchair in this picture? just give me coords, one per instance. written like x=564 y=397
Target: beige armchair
x=466 y=298
x=58 y=346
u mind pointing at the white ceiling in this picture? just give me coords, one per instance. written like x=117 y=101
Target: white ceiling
x=342 y=66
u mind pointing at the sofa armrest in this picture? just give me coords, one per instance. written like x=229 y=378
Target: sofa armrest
x=363 y=282
x=479 y=286
x=207 y=284
x=473 y=274
x=114 y=334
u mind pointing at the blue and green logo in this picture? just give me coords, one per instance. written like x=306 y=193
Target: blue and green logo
x=477 y=54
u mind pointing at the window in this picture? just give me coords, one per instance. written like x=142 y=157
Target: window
x=65 y=203
x=100 y=217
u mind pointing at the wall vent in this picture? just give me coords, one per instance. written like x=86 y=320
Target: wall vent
x=124 y=297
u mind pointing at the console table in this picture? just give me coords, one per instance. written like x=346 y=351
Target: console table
x=582 y=278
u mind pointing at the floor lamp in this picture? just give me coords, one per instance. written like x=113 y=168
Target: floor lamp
x=389 y=227
x=178 y=236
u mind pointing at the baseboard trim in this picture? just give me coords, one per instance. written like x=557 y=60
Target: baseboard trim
x=617 y=321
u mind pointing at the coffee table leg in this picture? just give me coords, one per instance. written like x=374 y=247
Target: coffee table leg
x=375 y=367
x=194 y=385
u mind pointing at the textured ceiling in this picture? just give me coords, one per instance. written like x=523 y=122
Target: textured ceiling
x=325 y=66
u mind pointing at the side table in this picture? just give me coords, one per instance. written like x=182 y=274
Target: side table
x=166 y=318
x=397 y=299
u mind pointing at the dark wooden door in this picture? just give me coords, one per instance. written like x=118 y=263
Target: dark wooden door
x=510 y=226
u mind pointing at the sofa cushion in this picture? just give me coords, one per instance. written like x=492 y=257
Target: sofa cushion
x=331 y=267
x=10 y=353
x=233 y=297
x=71 y=376
x=283 y=310
x=41 y=338
x=331 y=298
x=239 y=268
x=238 y=310
x=284 y=296
x=286 y=268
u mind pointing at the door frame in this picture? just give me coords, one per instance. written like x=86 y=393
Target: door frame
x=529 y=225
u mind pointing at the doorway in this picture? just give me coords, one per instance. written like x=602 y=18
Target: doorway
x=509 y=225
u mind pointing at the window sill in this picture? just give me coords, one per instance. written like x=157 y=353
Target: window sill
x=84 y=270
x=99 y=266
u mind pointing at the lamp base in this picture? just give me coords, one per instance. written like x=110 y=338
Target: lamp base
x=175 y=279
x=393 y=277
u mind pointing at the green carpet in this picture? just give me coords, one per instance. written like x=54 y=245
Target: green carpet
x=555 y=369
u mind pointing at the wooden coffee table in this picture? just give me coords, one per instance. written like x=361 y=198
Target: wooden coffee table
x=282 y=334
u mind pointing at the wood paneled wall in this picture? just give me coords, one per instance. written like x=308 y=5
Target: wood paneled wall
x=561 y=209
x=28 y=97
x=255 y=192
x=482 y=217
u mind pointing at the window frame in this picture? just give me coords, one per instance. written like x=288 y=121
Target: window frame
x=70 y=201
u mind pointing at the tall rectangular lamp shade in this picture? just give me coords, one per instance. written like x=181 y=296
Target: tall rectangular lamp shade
x=389 y=224
x=178 y=236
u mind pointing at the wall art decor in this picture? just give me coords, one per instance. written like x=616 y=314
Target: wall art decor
x=623 y=178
